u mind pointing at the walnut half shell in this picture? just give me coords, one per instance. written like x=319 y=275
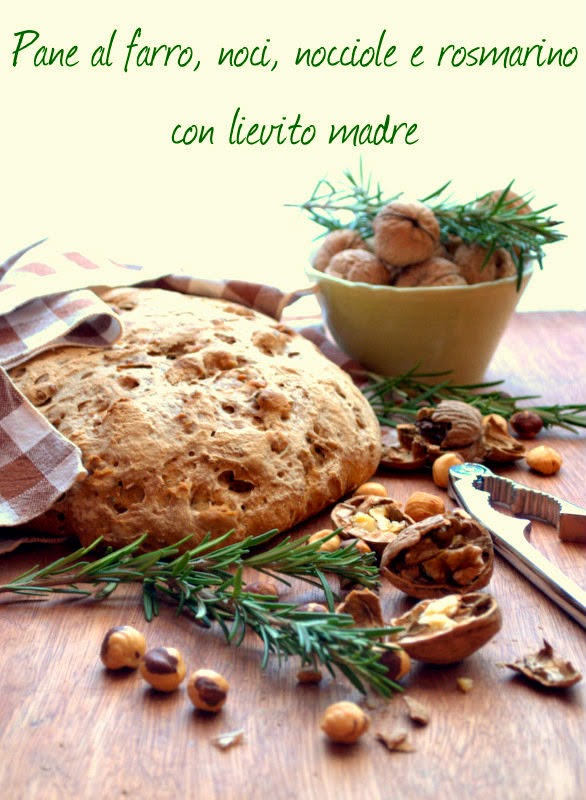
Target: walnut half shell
x=450 y=629
x=375 y=520
x=445 y=554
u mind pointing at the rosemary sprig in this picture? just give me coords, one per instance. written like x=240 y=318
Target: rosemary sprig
x=395 y=399
x=353 y=205
x=207 y=583
x=490 y=222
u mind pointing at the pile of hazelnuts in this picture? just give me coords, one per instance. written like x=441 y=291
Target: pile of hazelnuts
x=406 y=250
x=163 y=668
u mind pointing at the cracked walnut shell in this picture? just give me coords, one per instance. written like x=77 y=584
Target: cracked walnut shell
x=498 y=444
x=405 y=233
x=374 y=520
x=445 y=554
x=450 y=629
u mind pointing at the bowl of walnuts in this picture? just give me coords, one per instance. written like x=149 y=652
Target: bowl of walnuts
x=423 y=284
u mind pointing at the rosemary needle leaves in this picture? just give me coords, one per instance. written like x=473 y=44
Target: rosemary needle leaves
x=206 y=582
x=397 y=399
x=490 y=221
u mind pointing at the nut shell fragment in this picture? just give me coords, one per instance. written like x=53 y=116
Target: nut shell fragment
x=475 y=619
x=547 y=669
x=452 y=424
x=499 y=445
x=364 y=607
x=445 y=554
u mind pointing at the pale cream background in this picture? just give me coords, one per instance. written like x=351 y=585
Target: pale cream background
x=86 y=153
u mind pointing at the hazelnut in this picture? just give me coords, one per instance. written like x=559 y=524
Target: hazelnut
x=405 y=233
x=372 y=487
x=266 y=587
x=526 y=424
x=358 y=265
x=163 y=668
x=207 y=690
x=359 y=544
x=440 y=469
x=344 y=722
x=544 y=459
x=423 y=504
x=308 y=675
x=332 y=540
x=397 y=661
x=123 y=646
x=313 y=608
x=335 y=242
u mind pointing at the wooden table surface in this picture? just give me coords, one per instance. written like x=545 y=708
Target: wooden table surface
x=70 y=729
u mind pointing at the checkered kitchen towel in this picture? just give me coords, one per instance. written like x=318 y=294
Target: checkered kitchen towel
x=45 y=302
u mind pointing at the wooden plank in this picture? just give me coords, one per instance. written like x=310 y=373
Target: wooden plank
x=70 y=729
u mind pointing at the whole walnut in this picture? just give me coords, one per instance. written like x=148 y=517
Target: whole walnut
x=335 y=242
x=358 y=265
x=434 y=271
x=474 y=265
x=507 y=199
x=405 y=233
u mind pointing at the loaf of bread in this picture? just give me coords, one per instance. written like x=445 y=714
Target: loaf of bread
x=205 y=417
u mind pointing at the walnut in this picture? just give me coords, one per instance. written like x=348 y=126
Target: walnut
x=335 y=242
x=449 y=629
x=477 y=266
x=434 y=271
x=505 y=197
x=405 y=233
x=498 y=444
x=358 y=265
x=374 y=520
x=452 y=424
x=445 y=554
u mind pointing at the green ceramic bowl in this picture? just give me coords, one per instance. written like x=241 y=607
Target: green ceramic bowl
x=390 y=330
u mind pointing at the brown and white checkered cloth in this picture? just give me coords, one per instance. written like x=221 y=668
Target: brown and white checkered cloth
x=45 y=301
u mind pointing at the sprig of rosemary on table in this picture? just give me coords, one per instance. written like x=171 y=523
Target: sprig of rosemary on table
x=396 y=399
x=491 y=222
x=207 y=582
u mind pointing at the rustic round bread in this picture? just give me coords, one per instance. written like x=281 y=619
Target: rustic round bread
x=205 y=417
